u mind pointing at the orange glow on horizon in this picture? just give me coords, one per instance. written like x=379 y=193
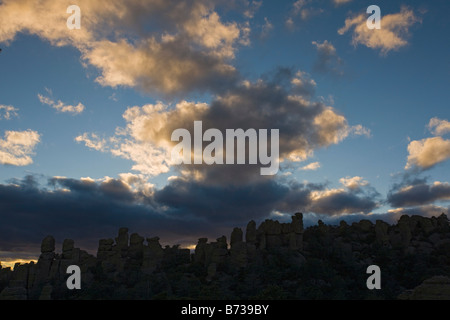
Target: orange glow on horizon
x=11 y=263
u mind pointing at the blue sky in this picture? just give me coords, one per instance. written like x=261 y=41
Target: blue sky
x=378 y=143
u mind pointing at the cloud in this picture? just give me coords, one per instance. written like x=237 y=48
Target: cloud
x=155 y=46
x=357 y=196
x=425 y=211
x=340 y=2
x=353 y=183
x=419 y=194
x=169 y=66
x=82 y=209
x=311 y=167
x=92 y=141
x=392 y=35
x=148 y=159
x=426 y=153
x=438 y=127
x=301 y=9
x=179 y=212
x=359 y=130
x=252 y=8
x=302 y=84
x=17 y=147
x=266 y=29
x=60 y=106
x=8 y=112
x=327 y=58
x=340 y=201
x=279 y=101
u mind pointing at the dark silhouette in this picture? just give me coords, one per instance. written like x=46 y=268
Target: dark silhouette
x=273 y=261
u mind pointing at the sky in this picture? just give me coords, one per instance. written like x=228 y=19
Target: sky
x=87 y=114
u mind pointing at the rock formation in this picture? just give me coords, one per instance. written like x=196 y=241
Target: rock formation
x=435 y=288
x=273 y=260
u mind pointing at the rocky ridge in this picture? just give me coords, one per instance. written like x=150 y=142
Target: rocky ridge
x=272 y=261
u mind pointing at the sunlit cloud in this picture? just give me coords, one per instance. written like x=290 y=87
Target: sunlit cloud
x=339 y=2
x=17 y=147
x=392 y=35
x=353 y=182
x=8 y=112
x=311 y=167
x=426 y=153
x=191 y=51
x=438 y=126
x=60 y=106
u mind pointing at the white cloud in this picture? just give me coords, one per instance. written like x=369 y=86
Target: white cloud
x=333 y=127
x=427 y=152
x=17 y=147
x=60 y=106
x=92 y=141
x=8 y=112
x=439 y=127
x=391 y=36
x=339 y=2
x=311 y=167
x=353 y=183
x=359 y=130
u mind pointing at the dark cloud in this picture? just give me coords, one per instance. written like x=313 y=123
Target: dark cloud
x=280 y=100
x=222 y=204
x=327 y=59
x=419 y=193
x=86 y=210
x=429 y=210
x=336 y=202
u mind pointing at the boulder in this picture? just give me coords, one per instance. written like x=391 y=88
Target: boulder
x=365 y=225
x=15 y=291
x=67 y=248
x=238 y=253
x=46 y=293
x=250 y=234
x=136 y=249
x=236 y=236
x=200 y=251
x=381 y=232
x=435 y=288
x=297 y=223
x=48 y=244
x=122 y=239
x=105 y=248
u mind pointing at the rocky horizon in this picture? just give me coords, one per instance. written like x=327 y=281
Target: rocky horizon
x=272 y=261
